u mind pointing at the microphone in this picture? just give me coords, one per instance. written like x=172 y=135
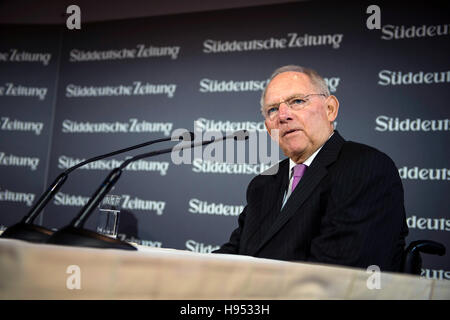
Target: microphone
x=26 y=230
x=75 y=235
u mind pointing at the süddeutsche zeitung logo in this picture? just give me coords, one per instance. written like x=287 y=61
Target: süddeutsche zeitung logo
x=386 y=123
x=135 y=203
x=416 y=173
x=66 y=162
x=140 y=242
x=208 y=166
x=435 y=274
x=433 y=224
x=204 y=207
x=233 y=152
x=332 y=83
x=14 y=196
x=132 y=126
x=17 y=90
x=292 y=40
x=16 y=55
x=64 y=199
x=213 y=85
x=11 y=160
x=141 y=51
x=393 y=78
x=393 y=32
x=200 y=247
x=137 y=88
x=210 y=85
x=8 y=124
x=202 y=124
x=129 y=202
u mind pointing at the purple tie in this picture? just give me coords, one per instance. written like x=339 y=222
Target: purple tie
x=299 y=170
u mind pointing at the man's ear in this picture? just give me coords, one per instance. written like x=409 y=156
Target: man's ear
x=332 y=105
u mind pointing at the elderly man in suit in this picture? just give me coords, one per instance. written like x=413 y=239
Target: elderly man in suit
x=332 y=201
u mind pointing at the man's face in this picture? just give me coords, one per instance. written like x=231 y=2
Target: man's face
x=301 y=132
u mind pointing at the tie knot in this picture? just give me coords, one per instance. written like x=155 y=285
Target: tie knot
x=299 y=170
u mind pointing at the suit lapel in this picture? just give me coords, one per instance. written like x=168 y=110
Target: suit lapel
x=310 y=180
x=270 y=203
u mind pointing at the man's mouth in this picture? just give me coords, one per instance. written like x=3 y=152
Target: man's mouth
x=290 y=131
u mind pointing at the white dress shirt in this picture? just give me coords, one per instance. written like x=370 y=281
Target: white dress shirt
x=292 y=164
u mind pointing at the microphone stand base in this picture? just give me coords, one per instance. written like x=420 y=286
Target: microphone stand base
x=78 y=237
x=27 y=232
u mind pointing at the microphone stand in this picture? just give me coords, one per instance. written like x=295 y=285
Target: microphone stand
x=27 y=230
x=75 y=235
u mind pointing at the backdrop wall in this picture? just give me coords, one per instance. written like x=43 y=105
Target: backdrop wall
x=68 y=95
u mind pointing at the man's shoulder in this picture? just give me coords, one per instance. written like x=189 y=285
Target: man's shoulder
x=362 y=149
x=356 y=152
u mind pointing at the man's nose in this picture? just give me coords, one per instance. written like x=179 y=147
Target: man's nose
x=284 y=111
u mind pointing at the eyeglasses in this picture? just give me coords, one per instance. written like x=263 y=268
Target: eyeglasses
x=295 y=102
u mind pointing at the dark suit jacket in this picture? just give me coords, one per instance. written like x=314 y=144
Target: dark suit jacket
x=347 y=210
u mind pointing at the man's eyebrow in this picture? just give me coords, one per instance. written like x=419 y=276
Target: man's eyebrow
x=285 y=99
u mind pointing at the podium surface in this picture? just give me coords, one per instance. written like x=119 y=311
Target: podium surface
x=41 y=271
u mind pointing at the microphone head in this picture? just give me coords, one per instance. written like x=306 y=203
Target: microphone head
x=241 y=135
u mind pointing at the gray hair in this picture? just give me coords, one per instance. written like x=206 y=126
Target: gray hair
x=314 y=77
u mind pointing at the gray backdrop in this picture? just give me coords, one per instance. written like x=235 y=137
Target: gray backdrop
x=69 y=95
